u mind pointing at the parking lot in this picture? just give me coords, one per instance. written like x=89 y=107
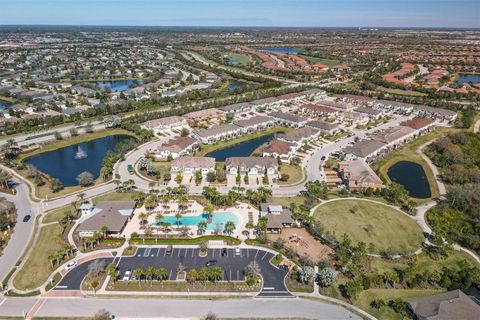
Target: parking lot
x=232 y=265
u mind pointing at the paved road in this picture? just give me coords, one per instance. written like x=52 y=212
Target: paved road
x=233 y=266
x=22 y=230
x=153 y=308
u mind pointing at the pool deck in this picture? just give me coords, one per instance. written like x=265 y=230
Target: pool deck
x=194 y=209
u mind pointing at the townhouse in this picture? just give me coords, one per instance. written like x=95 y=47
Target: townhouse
x=366 y=149
x=373 y=114
x=168 y=123
x=190 y=165
x=318 y=110
x=326 y=128
x=251 y=166
x=255 y=123
x=435 y=113
x=300 y=136
x=217 y=133
x=238 y=108
x=288 y=119
x=357 y=175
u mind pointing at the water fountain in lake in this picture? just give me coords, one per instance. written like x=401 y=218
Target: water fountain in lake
x=81 y=154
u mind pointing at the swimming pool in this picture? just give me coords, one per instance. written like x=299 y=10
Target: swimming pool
x=218 y=220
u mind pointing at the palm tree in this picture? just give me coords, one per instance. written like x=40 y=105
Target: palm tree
x=178 y=216
x=104 y=231
x=216 y=273
x=81 y=197
x=182 y=203
x=161 y=274
x=166 y=226
x=149 y=273
x=5 y=178
x=142 y=217
x=138 y=273
x=202 y=226
x=249 y=226
x=229 y=227
x=209 y=210
x=112 y=271
x=192 y=275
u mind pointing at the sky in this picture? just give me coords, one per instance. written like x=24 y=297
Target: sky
x=265 y=13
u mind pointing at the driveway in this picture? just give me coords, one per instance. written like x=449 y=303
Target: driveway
x=232 y=265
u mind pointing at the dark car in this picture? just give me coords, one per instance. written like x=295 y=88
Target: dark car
x=323 y=158
x=224 y=252
x=210 y=263
x=26 y=218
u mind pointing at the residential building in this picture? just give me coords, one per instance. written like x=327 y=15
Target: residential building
x=202 y=114
x=358 y=175
x=373 y=114
x=288 y=119
x=255 y=123
x=318 y=110
x=324 y=127
x=451 y=305
x=279 y=149
x=237 y=108
x=168 y=123
x=435 y=113
x=190 y=165
x=174 y=148
x=422 y=125
x=395 y=136
x=112 y=215
x=217 y=133
x=277 y=217
x=366 y=149
x=300 y=136
x=251 y=166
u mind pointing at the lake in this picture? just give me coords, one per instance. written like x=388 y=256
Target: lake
x=412 y=176
x=282 y=50
x=61 y=163
x=242 y=149
x=119 y=85
x=235 y=85
x=4 y=104
x=464 y=78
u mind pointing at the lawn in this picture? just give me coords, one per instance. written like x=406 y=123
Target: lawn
x=37 y=268
x=386 y=313
x=286 y=201
x=163 y=167
x=408 y=153
x=295 y=174
x=242 y=58
x=400 y=92
x=56 y=214
x=384 y=227
x=328 y=62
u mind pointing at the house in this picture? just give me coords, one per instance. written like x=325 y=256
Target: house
x=357 y=175
x=255 y=123
x=112 y=215
x=421 y=125
x=266 y=102
x=288 y=119
x=300 y=136
x=217 y=133
x=354 y=118
x=366 y=149
x=373 y=114
x=451 y=305
x=395 y=136
x=324 y=127
x=237 y=108
x=279 y=149
x=357 y=100
x=393 y=106
x=318 y=110
x=251 y=166
x=277 y=217
x=435 y=113
x=201 y=114
x=190 y=165
x=168 y=123
x=174 y=148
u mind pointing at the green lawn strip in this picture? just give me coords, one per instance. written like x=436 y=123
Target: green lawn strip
x=317 y=60
x=294 y=172
x=409 y=153
x=207 y=148
x=400 y=92
x=243 y=59
x=184 y=241
x=286 y=201
x=37 y=268
x=386 y=228
x=8 y=99
x=386 y=313
x=294 y=286
x=181 y=286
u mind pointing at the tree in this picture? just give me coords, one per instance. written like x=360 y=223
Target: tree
x=161 y=274
x=198 y=177
x=5 y=177
x=351 y=289
x=326 y=277
x=85 y=179
x=229 y=227
x=102 y=314
x=94 y=284
x=306 y=275
x=202 y=226
x=143 y=218
x=211 y=176
x=55 y=185
x=138 y=274
x=96 y=267
x=112 y=271
x=58 y=135
x=179 y=178
x=192 y=275
x=149 y=273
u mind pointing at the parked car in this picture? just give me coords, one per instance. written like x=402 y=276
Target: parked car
x=169 y=250
x=237 y=251
x=71 y=265
x=127 y=275
x=210 y=263
x=26 y=218
x=224 y=252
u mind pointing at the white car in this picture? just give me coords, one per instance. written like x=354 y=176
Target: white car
x=71 y=265
x=127 y=275
x=237 y=251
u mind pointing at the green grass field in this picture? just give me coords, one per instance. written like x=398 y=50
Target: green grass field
x=371 y=222
x=328 y=62
x=37 y=268
x=294 y=172
x=244 y=59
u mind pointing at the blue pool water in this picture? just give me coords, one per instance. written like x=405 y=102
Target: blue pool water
x=4 y=104
x=118 y=85
x=218 y=220
x=233 y=62
x=282 y=50
x=468 y=78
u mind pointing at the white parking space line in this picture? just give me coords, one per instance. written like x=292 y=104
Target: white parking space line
x=178 y=255
x=158 y=252
x=2 y=301
x=230 y=275
x=193 y=250
x=264 y=255
x=238 y=275
x=186 y=253
x=248 y=253
x=165 y=253
x=213 y=253
x=170 y=275
x=255 y=255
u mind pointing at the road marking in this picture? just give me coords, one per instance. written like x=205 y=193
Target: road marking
x=238 y=275
x=178 y=255
x=269 y=288
x=230 y=275
x=255 y=255
x=186 y=250
x=213 y=253
x=193 y=250
x=4 y=299
x=120 y=259
x=158 y=252
x=248 y=253
x=61 y=287
x=165 y=254
x=170 y=274
x=146 y=253
x=264 y=255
